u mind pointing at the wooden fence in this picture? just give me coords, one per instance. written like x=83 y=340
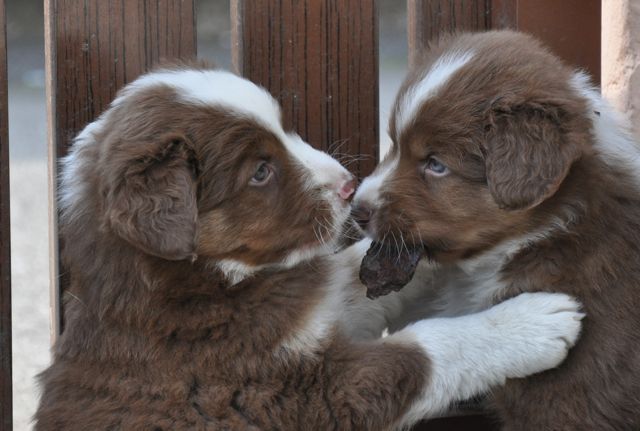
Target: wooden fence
x=319 y=58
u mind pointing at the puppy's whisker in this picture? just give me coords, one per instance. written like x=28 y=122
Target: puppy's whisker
x=76 y=298
x=336 y=145
x=322 y=241
x=383 y=241
x=328 y=227
x=340 y=157
x=413 y=239
x=403 y=243
x=320 y=229
x=315 y=232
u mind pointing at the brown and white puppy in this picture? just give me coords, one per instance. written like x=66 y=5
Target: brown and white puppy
x=516 y=177
x=205 y=295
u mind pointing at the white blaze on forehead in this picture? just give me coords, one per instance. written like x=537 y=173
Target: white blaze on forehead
x=369 y=190
x=216 y=88
x=324 y=169
x=210 y=87
x=426 y=87
x=221 y=88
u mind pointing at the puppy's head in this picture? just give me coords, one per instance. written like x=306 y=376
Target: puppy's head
x=484 y=132
x=192 y=163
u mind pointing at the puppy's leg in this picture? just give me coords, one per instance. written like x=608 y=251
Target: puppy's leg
x=521 y=336
x=370 y=386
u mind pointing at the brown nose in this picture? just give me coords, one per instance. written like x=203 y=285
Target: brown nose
x=347 y=188
x=361 y=213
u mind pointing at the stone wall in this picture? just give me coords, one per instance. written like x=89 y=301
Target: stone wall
x=621 y=57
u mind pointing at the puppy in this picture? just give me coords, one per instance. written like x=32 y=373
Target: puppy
x=199 y=237
x=513 y=175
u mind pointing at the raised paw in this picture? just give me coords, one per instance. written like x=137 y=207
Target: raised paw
x=538 y=329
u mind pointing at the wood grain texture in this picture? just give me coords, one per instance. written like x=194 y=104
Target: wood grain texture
x=93 y=48
x=503 y=14
x=100 y=45
x=428 y=19
x=571 y=28
x=6 y=402
x=320 y=60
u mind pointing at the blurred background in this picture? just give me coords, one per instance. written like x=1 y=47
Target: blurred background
x=28 y=159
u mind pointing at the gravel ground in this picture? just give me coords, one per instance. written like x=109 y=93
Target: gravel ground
x=30 y=288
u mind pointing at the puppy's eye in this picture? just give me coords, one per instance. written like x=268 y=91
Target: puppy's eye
x=435 y=168
x=262 y=175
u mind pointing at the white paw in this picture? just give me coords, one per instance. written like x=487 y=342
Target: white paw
x=538 y=330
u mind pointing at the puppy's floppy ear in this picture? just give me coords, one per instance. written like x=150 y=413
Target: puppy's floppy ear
x=153 y=204
x=528 y=153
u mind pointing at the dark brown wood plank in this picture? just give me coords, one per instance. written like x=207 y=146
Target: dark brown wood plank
x=6 y=402
x=93 y=48
x=320 y=60
x=571 y=28
x=503 y=14
x=429 y=19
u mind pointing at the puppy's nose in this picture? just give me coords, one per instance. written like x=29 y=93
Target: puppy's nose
x=361 y=213
x=347 y=188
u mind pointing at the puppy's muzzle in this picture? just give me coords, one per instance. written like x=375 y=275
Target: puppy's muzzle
x=362 y=214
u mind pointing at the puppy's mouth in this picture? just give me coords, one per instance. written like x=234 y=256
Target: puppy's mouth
x=388 y=267
x=337 y=232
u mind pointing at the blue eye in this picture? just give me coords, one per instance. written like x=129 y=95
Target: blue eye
x=262 y=175
x=434 y=167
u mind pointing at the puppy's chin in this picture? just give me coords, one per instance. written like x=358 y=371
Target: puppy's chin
x=331 y=238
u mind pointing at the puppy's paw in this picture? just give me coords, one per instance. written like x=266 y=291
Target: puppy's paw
x=538 y=330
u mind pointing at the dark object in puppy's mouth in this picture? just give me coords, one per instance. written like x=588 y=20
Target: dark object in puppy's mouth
x=385 y=268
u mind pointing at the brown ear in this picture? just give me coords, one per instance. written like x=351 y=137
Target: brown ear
x=153 y=205
x=528 y=155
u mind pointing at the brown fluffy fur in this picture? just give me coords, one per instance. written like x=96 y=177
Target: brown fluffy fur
x=520 y=145
x=155 y=342
x=205 y=296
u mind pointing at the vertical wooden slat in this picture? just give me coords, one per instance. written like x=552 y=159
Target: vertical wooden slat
x=94 y=47
x=504 y=14
x=6 y=402
x=571 y=28
x=428 y=19
x=320 y=60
